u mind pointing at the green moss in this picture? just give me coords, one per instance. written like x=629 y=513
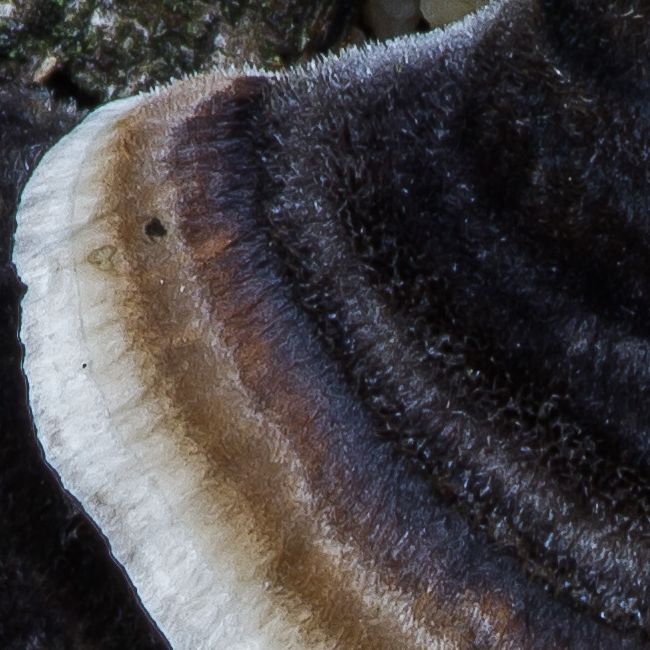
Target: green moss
x=112 y=48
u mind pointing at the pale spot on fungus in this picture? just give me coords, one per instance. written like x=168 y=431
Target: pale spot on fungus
x=102 y=257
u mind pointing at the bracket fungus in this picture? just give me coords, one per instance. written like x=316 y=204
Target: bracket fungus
x=356 y=354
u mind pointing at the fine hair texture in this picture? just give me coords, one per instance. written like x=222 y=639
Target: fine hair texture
x=466 y=227
x=427 y=259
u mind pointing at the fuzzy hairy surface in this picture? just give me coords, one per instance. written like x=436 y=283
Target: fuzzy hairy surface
x=428 y=254
x=467 y=226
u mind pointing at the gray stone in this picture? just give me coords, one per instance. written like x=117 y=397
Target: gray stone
x=441 y=12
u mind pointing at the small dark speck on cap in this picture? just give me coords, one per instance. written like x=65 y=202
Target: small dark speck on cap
x=154 y=228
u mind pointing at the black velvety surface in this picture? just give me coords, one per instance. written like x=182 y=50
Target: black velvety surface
x=58 y=585
x=469 y=231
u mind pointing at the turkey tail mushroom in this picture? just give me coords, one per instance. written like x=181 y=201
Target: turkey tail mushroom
x=355 y=355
